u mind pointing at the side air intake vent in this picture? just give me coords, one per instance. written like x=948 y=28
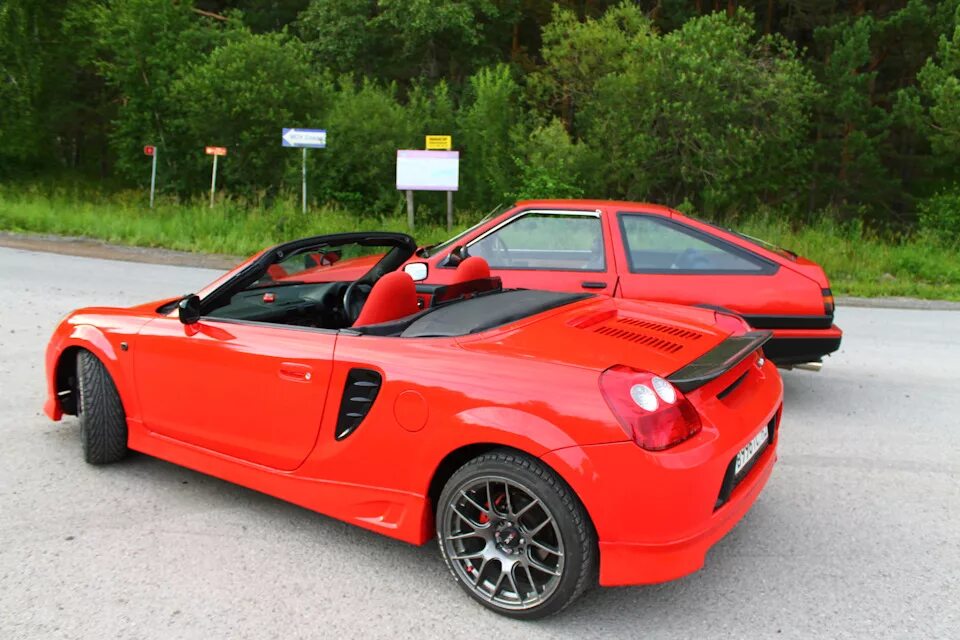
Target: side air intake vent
x=360 y=391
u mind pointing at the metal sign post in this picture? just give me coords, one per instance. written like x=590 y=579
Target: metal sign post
x=216 y=152
x=304 y=190
x=305 y=139
x=151 y=150
x=442 y=143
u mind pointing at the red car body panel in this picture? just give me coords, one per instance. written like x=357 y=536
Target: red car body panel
x=258 y=404
x=789 y=299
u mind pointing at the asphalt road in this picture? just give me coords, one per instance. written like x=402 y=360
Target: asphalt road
x=857 y=534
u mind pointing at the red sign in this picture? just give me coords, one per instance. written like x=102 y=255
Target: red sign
x=149 y=150
x=216 y=151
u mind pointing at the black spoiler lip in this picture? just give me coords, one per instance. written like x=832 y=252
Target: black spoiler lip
x=718 y=360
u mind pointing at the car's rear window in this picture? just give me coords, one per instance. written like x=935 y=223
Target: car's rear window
x=486 y=312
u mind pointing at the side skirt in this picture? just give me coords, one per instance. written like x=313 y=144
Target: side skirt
x=397 y=514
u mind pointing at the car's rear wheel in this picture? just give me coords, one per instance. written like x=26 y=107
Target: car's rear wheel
x=103 y=424
x=515 y=536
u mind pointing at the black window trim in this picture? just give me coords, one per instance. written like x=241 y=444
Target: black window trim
x=585 y=213
x=767 y=267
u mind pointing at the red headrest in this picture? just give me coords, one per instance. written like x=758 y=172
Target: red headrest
x=472 y=268
x=392 y=297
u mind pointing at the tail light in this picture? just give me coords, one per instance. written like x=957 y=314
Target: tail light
x=652 y=412
x=828 y=306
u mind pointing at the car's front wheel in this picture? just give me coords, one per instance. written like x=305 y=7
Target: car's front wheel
x=103 y=424
x=515 y=536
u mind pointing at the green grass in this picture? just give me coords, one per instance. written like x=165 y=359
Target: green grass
x=229 y=227
x=858 y=263
x=861 y=264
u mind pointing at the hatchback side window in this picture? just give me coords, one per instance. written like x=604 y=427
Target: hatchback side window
x=657 y=245
x=557 y=241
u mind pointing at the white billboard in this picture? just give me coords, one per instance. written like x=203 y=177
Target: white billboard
x=428 y=170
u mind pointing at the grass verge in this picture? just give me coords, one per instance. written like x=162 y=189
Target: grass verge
x=858 y=264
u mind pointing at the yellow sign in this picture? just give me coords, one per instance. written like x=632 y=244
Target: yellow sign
x=439 y=143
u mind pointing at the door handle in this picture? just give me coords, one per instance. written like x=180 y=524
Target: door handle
x=296 y=372
x=589 y=284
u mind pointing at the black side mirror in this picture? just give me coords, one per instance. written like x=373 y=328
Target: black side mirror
x=456 y=256
x=189 y=307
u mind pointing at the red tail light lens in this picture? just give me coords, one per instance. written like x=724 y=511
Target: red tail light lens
x=828 y=304
x=651 y=410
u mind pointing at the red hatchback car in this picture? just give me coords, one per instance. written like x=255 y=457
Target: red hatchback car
x=310 y=373
x=648 y=252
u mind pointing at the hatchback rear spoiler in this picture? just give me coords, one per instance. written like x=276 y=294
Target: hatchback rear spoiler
x=718 y=360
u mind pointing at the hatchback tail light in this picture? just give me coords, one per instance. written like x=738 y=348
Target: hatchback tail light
x=652 y=412
x=828 y=304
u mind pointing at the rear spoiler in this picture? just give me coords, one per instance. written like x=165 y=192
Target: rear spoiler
x=718 y=360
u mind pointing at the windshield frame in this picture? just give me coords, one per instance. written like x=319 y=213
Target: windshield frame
x=433 y=249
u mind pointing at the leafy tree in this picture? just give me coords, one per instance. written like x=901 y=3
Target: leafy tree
x=240 y=97
x=366 y=125
x=553 y=166
x=143 y=47
x=490 y=125
x=710 y=112
x=578 y=54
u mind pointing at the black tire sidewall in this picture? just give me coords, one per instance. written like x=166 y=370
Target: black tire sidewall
x=103 y=428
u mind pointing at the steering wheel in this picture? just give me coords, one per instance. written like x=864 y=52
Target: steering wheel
x=354 y=298
x=691 y=259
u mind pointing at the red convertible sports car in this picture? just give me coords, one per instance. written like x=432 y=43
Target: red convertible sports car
x=649 y=252
x=548 y=440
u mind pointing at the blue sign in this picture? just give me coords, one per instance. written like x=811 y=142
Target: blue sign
x=311 y=138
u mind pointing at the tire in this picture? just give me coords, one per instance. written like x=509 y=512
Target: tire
x=103 y=424
x=530 y=554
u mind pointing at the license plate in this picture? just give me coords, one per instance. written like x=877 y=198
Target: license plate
x=750 y=451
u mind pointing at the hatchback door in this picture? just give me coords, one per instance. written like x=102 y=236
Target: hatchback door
x=663 y=259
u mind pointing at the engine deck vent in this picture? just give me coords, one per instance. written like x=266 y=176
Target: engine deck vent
x=669 y=346
x=359 y=392
x=664 y=337
x=676 y=332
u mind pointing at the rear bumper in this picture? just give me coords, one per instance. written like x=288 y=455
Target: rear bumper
x=656 y=514
x=795 y=346
x=623 y=563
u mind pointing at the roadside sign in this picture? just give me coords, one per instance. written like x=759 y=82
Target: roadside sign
x=305 y=138
x=439 y=143
x=428 y=170
x=149 y=150
x=216 y=151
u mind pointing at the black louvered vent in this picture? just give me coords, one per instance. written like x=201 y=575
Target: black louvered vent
x=358 y=396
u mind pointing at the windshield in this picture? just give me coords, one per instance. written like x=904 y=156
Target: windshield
x=434 y=249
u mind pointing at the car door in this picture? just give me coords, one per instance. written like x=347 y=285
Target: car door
x=560 y=250
x=663 y=259
x=248 y=390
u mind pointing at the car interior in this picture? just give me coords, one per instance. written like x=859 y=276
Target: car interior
x=294 y=291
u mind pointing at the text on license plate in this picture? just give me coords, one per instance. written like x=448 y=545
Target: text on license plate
x=748 y=452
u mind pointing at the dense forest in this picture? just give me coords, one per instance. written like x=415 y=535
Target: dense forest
x=724 y=108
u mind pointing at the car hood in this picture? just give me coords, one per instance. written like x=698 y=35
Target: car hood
x=601 y=332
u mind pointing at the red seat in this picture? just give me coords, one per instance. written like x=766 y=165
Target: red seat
x=472 y=268
x=394 y=296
